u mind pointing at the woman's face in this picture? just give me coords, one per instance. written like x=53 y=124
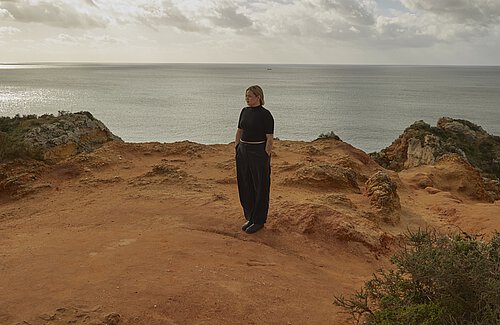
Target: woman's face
x=252 y=100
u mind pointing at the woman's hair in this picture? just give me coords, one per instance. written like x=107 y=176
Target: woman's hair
x=257 y=91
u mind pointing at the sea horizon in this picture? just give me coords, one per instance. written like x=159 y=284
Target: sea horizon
x=238 y=63
x=366 y=105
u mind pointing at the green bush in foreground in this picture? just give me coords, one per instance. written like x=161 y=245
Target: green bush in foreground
x=437 y=279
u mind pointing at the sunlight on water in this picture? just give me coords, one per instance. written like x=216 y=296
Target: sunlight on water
x=25 y=66
x=22 y=101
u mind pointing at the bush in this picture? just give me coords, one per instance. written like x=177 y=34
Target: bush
x=9 y=148
x=437 y=279
x=329 y=135
x=12 y=131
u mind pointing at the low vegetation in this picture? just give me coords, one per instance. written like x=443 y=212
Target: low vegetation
x=329 y=135
x=13 y=130
x=437 y=279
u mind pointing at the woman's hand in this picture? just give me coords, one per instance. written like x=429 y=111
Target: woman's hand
x=269 y=144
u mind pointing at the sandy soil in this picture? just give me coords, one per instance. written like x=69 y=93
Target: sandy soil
x=150 y=234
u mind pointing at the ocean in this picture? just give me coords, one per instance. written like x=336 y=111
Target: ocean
x=366 y=106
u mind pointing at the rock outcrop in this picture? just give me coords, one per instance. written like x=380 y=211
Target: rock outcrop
x=16 y=180
x=419 y=153
x=325 y=223
x=421 y=144
x=51 y=138
x=452 y=173
x=384 y=198
x=325 y=176
x=492 y=187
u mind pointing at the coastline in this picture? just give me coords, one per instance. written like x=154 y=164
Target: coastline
x=367 y=107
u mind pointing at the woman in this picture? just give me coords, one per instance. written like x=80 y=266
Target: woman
x=254 y=144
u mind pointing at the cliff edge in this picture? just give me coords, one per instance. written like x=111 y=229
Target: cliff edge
x=51 y=138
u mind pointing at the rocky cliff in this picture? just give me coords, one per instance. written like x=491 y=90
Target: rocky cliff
x=50 y=138
x=422 y=144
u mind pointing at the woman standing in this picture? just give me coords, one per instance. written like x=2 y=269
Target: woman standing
x=254 y=144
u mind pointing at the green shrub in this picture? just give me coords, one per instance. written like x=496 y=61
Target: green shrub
x=437 y=279
x=329 y=135
x=12 y=131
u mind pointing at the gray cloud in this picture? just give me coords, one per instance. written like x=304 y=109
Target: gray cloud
x=428 y=22
x=229 y=17
x=91 y=2
x=445 y=21
x=165 y=13
x=317 y=19
x=403 y=31
x=461 y=11
x=359 y=12
x=88 y=39
x=55 y=13
x=358 y=24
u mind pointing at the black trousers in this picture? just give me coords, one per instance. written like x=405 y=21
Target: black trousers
x=253 y=170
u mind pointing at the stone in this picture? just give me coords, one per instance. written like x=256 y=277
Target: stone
x=421 y=155
x=432 y=190
x=384 y=198
x=112 y=319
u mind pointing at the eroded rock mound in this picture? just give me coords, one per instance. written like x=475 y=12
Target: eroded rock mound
x=493 y=188
x=384 y=198
x=17 y=180
x=325 y=176
x=453 y=173
x=328 y=224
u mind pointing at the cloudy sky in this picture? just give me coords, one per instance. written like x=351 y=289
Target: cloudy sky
x=252 y=31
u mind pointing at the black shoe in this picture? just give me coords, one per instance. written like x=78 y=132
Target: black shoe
x=254 y=228
x=246 y=225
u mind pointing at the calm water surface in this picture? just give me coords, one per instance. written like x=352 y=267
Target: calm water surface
x=367 y=106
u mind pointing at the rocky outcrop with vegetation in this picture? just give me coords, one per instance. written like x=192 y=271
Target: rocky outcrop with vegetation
x=51 y=138
x=422 y=144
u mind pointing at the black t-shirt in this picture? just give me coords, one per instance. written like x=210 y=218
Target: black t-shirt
x=255 y=122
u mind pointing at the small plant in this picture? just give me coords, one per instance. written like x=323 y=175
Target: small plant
x=328 y=135
x=63 y=113
x=437 y=279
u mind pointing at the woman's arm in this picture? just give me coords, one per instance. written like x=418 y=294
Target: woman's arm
x=269 y=144
x=237 y=137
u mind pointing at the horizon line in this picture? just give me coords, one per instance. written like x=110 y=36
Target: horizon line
x=238 y=63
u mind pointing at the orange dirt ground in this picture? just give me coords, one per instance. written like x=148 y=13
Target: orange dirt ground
x=152 y=232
